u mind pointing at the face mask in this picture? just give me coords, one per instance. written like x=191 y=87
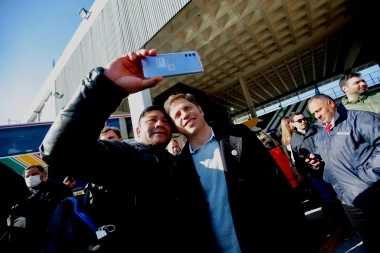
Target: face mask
x=33 y=181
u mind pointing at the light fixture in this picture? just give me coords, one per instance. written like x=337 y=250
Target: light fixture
x=57 y=95
x=83 y=13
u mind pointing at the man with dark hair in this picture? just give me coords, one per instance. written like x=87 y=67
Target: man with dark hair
x=357 y=95
x=142 y=201
x=110 y=133
x=240 y=196
x=349 y=148
x=30 y=218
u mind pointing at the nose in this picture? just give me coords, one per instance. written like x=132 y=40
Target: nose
x=185 y=114
x=159 y=123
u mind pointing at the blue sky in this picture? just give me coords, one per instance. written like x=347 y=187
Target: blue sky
x=32 y=34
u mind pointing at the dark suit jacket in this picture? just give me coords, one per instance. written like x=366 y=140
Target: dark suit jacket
x=264 y=209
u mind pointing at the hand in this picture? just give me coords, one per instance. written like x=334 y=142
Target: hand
x=126 y=72
x=313 y=161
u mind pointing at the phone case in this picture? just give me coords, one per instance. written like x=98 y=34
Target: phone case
x=172 y=64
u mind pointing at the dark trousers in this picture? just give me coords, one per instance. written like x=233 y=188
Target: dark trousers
x=324 y=189
x=367 y=224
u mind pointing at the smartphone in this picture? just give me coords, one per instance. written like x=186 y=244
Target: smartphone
x=172 y=64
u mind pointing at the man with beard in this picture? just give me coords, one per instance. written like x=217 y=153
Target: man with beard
x=357 y=95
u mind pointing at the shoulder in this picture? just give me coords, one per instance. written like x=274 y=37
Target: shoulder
x=345 y=100
x=374 y=94
x=239 y=130
x=295 y=137
x=362 y=115
x=58 y=186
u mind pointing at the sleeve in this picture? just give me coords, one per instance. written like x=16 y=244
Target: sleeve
x=71 y=144
x=298 y=161
x=289 y=148
x=367 y=126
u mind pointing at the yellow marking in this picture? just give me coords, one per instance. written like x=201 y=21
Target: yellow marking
x=251 y=123
x=30 y=159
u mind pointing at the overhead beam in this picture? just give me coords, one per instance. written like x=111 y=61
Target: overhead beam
x=247 y=97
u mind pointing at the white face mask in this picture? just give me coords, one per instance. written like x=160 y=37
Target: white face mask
x=33 y=181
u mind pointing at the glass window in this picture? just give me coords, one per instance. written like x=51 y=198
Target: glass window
x=22 y=139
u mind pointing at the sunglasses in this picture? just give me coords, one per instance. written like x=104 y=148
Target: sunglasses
x=300 y=120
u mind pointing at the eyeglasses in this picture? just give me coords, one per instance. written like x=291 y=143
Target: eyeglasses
x=300 y=120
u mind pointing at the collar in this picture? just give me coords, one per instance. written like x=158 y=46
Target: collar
x=212 y=136
x=356 y=100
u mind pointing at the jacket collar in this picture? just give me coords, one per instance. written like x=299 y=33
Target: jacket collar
x=355 y=101
x=309 y=130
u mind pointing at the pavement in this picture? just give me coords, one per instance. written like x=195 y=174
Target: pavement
x=330 y=242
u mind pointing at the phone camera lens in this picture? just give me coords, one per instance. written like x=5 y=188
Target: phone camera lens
x=193 y=54
x=185 y=55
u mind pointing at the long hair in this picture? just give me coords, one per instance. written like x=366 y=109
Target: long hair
x=286 y=131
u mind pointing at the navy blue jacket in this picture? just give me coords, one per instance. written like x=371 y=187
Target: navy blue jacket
x=351 y=153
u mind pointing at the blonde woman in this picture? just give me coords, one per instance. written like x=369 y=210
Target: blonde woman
x=287 y=133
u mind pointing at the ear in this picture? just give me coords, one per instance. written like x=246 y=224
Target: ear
x=138 y=131
x=293 y=125
x=330 y=103
x=43 y=176
x=344 y=89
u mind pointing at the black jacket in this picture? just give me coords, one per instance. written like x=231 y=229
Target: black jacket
x=39 y=207
x=302 y=145
x=15 y=191
x=141 y=203
x=149 y=192
x=264 y=210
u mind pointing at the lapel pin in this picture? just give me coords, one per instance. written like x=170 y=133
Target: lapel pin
x=234 y=152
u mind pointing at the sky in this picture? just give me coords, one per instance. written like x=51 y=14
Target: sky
x=32 y=34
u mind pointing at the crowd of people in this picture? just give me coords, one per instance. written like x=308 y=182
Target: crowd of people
x=223 y=188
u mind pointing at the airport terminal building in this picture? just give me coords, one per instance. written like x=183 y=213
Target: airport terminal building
x=255 y=53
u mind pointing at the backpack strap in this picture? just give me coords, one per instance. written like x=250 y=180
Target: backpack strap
x=81 y=215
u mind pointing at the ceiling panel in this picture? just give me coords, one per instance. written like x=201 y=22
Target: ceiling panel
x=278 y=47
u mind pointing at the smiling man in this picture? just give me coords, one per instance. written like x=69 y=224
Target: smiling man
x=236 y=186
x=141 y=197
x=357 y=95
x=349 y=145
